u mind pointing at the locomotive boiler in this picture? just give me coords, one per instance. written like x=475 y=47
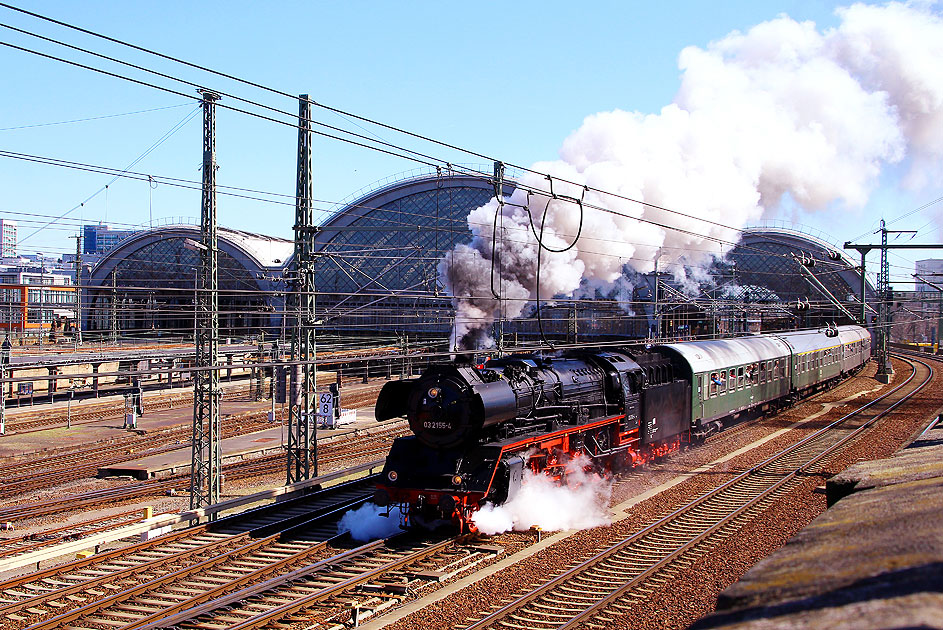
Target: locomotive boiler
x=476 y=428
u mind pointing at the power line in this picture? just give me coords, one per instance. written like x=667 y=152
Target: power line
x=532 y=189
x=346 y=113
x=147 y=152
x=81 y=120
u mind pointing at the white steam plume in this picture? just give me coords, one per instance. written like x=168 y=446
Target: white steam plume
x=582 y=502
x=783 y=115
x=367 y=523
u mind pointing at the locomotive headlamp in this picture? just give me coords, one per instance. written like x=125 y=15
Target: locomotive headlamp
x=457 y=480
x=434 y=392
x=392 y=475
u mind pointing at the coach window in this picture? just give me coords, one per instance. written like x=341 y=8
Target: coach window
x=762 y=371
x=776 y=373
x=723 y=381
x=754 y=374
x=715 y=384
x=739 y=378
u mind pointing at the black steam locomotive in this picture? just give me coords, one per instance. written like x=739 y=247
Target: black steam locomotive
x=476 y=428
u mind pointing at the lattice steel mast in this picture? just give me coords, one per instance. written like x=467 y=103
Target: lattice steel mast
x=499 y=196
x=78 y=288
x=302 y=428
x=884 y=293
x=207 y=460
x=884 y=317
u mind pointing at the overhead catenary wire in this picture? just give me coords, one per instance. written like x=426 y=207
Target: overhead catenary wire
x=222 y=189
x=370 y=247
x=92 y=118
x=292 y=124
x=147 y=152
x=664 y=226
x=285 y=94
x=342 y=112
x=219 y=92
x=323 y=106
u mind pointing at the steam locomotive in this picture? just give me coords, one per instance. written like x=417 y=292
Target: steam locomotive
x=477 y=428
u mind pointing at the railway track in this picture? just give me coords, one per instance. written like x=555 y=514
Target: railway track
x=276 y=565
x=42 y=470
x=344 y=451
x=45 y=471
x=604 y=588
x=135 y=490
x=11 y=546
x=88 y=413
x=338 y=591
x=180 y=561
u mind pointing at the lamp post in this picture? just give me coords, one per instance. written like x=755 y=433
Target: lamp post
x=42 y=283
x=68 y=421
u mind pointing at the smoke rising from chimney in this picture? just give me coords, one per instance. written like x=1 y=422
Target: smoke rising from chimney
x=783 y=117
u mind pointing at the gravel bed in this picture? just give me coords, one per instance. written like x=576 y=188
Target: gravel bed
x=680 y=603
x=676 y=605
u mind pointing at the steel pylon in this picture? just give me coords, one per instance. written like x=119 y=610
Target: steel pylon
x=302 y=443
x=206 y=456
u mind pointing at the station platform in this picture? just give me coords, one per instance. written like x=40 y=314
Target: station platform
x=873 y=560
x=238 y=448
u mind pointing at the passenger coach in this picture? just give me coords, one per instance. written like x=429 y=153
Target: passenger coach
x=731 y=376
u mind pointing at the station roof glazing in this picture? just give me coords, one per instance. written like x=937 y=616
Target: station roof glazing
x=394 y=238
x=766 y=257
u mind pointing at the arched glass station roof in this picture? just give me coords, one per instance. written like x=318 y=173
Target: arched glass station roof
x=770 y=257
x=379 y=255
x=377 y=270
x=154 y=279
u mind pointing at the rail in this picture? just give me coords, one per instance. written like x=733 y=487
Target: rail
x=686 y=531
x=190 y=516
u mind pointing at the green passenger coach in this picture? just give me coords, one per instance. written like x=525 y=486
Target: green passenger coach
x=731 y=376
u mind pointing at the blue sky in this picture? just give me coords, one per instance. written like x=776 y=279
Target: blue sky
x=509 y=80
